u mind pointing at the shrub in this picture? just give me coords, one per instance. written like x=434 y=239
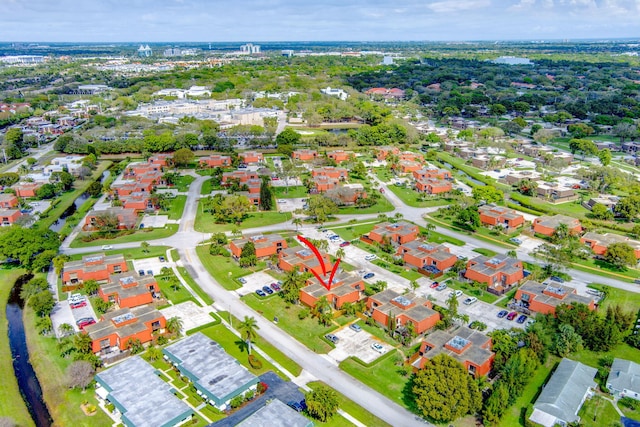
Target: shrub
x=110 y=407
x=630 y=403
x=255 y=362
x=304 y=313
x=262 y=387
x=236 y=402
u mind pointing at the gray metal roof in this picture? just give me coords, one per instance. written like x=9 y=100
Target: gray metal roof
x=143 y=398
x=275 y=414
x=563 y=395
x=624 y=375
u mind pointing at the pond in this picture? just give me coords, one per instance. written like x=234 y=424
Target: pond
x=60 y=222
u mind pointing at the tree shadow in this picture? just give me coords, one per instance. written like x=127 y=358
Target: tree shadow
x=242 y=346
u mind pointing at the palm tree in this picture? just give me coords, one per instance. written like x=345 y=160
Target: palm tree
x=145 y=246
x=174 y=325
x=154 y=353
x=414 y=285
x=248 y=328
x=398 y=216
x=297 y=222
x=429 y=227
x=340 y=253
x=322 y=310
x=65 y=329
x=291 y=286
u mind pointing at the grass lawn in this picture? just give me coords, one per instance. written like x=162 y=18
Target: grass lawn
x=598 y=412
x=138 y=236
x=381 y=206
x=383 y=376
x=354 y=231
x=224 y=269
x=236 y=347
x=634 y=414
x=130 y=253
x=485 y=252
x=603 y=268
x=480 y=234
x=383 y=174
x=183 y=183
x=207 y=187
x=413 y=198
x=176 y=208
x=470 y=290
x=11 y=403
x=295 y=192
x=406 y=272
x=308 y=331
x=175 y=296
x=204 y=221
x=196 y=288
x=628 y=300
x=63 y=403
x=592 y=358
x=513 y=415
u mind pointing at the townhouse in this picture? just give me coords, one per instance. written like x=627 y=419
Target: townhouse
x=345 y=287
x=544 y=298
x=215 y=161
x=303 y=260
x=398 y=232
x=265 y=244
x=433 y=186
x=91 y=267
x=128 y=290
x=499 y=273
x=547 y=225
x=391 y=308
x=600 y=242
x=340 y=156
x=127 y=218
x=433 y=259
x=304 y=155
x=507 y=219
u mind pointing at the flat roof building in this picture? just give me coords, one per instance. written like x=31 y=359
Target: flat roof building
x=218 y=376
x=544 y=298
x=275 y=414
x=141 y=397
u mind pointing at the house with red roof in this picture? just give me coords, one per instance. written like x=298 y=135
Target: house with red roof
x=345 y=287
x=402 y=309
x=129 y=289
x=9 y=216
x=547 y=225
x=339 y=156
x=331 y=172
x=26 y=189
x=304 y=155
x=545 y=297
x=265 y=244
x=251 y=157
x=91 y=267
x=303 y=260
x=498 y=216
x=426 y=256
x=433 y=186
x=500 y=273
x=397 y=232
x=127 y=218
x=215 y=161
x=384 y=151
x=425 y=173
x=8 y=201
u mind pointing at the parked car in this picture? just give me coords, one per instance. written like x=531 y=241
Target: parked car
x=107 y=247
x=282 y=201
x=85 y=321
x=557 y=279
x=275 y=287
x=267 y=289
x=515 y=240
x=470 y=300
x=334 y=339
x=370 y=257
x=76 y=297
x=368 y=276
x=382 y=190
x=343 y=244
x=456 y=292
x=512 y=315
x=521 y=319
x=502 y=313
x=355 y=327
x=78 y=304
x=530 y=322
x=296 y=406
x=260 y=293
x=434 y=285
x=377 y=347
x=441 y=287
x=141 y=272
x=242 y=280
x=149 y=272
x=162 y=259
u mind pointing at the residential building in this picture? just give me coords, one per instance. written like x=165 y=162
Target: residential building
x=71 y=164
x=26 y=189
x=408 y=166
x=129 y=289
x=555 y=192
x=340 y=156
x=8 y=201
x=397 y=232
x=251 y=157
x=215 y=160
x=111 y=335
x=410 y=156
x=499 y=273
x=322 y=184
x=422 y=174
x=91 y=267
x=304 y=155
x=469 y=347
x=433 y=186
x=484 y=161
x=432 y=259
x=303 y=260
x=600 y=242
x=331 y=172
x=390 y=305
x=140 y=397
x=265 y=244
x=546 y=225
x=275 y=414
x=606 y=200
x=498 y=216
x=384 y=151
x=9 y=216
x=138 y=202
x=345 y=287
x=240 y=176
x=562 y=397
x=624 y=379
x=217 y=376
x=127 y=218
x=128 y=187
x=515 y=177
x=544 y=298
x=383 y=92
x=335 y=92
x=347 y=195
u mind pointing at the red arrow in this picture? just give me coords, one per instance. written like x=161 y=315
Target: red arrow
x=321 y=261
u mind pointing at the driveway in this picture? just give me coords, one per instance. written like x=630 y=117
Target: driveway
x=62 y=313
x=290 y=205
x=255 y=281
x=357 y=344
x=150 y=264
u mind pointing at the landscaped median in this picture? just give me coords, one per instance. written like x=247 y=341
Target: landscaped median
x=137 y=236
x=205 y=223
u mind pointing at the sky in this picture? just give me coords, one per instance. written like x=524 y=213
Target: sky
x=315 y=20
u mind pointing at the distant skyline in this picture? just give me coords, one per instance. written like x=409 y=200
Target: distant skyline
x=319 y=20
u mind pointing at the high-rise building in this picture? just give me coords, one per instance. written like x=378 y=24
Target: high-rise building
x=145 y=51
x=250 y=48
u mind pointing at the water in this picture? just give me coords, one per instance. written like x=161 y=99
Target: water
x=27 y=380
x=337 y=131
x=475 y=181
x=60 y=222
x=105 y=175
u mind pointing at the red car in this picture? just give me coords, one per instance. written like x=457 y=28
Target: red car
x=78 y=304
x=512 y=315
x=85 y=322
x=343 y=244
x=434 y=285
x=382 y=190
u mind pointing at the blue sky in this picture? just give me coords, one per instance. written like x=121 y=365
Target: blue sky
x=294 y=20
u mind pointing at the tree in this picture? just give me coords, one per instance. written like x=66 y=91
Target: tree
x=62 y=180
x=42 y=303
x=469 y=218
x=624 y=131
x=527 y=187
x=605 y=157
x=91 y=287
x=488 y=193
x=297 y=222
x=154 y=353
x=566 y=341
x=247 y=329
x=47 y=191
x=248 y=255
x=600 y=211
x=322 y=310
x=452 y=305
x=33 y=287
x=145 y=246
x=25 y=244
x=628 y=207
x=94 y=189
x=183 y=157
x=322 y=403
x=320 y=208
x=174 y=325
x=65 y=329
x=80 y=374
x=135 y=346
x=621 y=255
x=266 y=197
x=444 y=391
x=288 y=137
x=340 y=253
x=497 y=110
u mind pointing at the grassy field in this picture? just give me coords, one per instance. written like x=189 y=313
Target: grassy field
x=353 y=409
x=605 y=269
x=63 y=403
x=412 y=198
x=176 y=208
x=598 y=412
x=485 y=252
x=183 y=183
x=224 y=269
x=204 y=221
x=176 y=296
x=295 y=192
x=196 y=288
x=130 y=253
x=471 y=291
x=138 y=236
x=11 y=403
x=381 y=206
x=480 y=234
x=628 y=300
x=592 y=358
x=354 y=231
x=308 y=331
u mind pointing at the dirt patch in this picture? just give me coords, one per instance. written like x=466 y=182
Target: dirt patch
x=89 y=409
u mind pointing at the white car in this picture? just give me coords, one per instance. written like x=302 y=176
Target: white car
x=107 y=247
x=370 y=257
x=377 y=347
x=456 y=292
x=470 y=300
x=282 y=201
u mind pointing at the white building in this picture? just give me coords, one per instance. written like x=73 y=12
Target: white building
x=250 y=48
x=71 y=164
x=145 y=51
x=22 y=59
x=335 y=92
x=624 y=379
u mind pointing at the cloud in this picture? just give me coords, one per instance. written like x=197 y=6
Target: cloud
x=449 y=6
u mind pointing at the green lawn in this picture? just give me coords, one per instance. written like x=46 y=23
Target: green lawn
x=513 y=416
x=176 y=296
x=63 y=403
x=603 y=268
x=470 y=290
x=224 y=269
x=204 y=221
x=480 y=234
x=176 y=208
x=236 y=347
x=183 y=183
x=295 y=192
x=412 y=198
x=196 y=288
x=592 y=358
x=138 y=236
x=407 y=272
x=130 y=253
x=628 y=300
x=11 y=403
x=354 y=231
x=485 y=252
x=381 y=206
x=634 y=414
x=308 y=331
x=598 y=412
x=383 y=174
x=383 y=376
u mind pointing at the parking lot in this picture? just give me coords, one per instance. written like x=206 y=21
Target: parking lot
x=254 y=282
x=290 y=205
x=191 y=314
x=63 y=313
x=150 y=264
x=358 y=344
x=154 y=221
